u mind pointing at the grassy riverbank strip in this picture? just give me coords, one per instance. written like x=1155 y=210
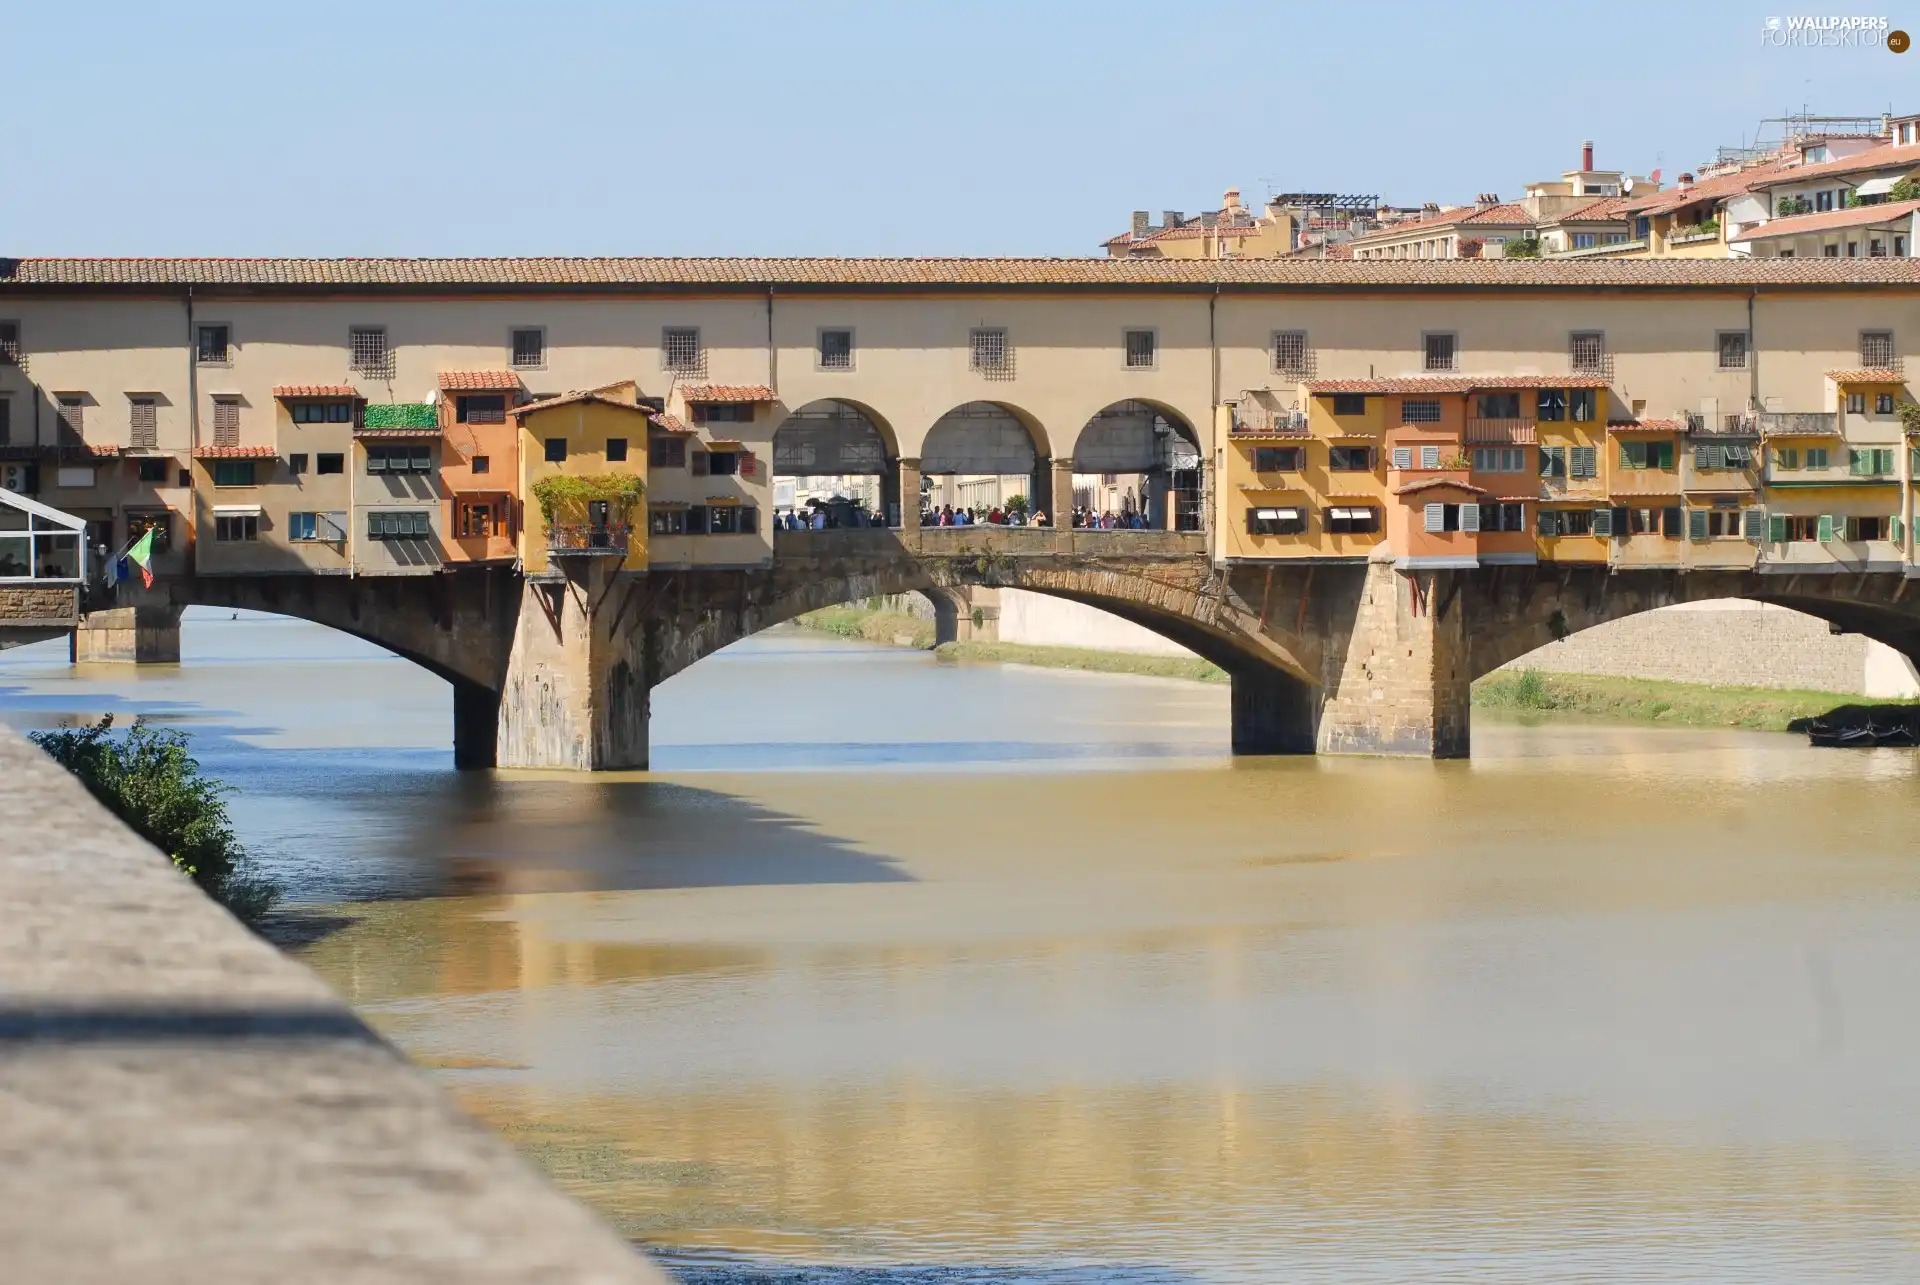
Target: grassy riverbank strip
x=1642 y=700
x=894 y=628
x=1193 y=669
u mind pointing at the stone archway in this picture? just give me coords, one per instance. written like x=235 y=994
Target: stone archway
x=986 y=452
x=836 y=449
x=1140 y=457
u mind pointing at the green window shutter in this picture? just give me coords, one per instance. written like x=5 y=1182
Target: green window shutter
x=1755 y=523
x=1626 y=455
x=1586 y=461
x=1696 y=524
x=1666 y=455
x=1883 y=460
x=1859 y=462
x=1709 y=457
x=1826 y=528
x=1894 y=529
x=1603 y=522
x=1777 y=528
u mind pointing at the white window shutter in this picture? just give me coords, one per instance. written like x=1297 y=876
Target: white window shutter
x=1470 y=517
x=1429 y=457
x=1436 y=517
x=1403 y=457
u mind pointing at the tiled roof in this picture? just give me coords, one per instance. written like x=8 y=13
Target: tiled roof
x=421 y=431
x=1505 y=215
x=1430 y=483
x=1649 y=426
x=1874 y=158
x=727 y=393
x=1866 y=377
x=433 y=275
x=1710 y=189
x=478 y=381
x=669 y=423
x=234 y=453
x=1611 y=209
x=315 y=390
x=570 y=399
x=1451 y=383
x=1828 y=220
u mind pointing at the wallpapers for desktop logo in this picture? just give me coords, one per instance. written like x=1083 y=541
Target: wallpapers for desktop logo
x=1832 y=31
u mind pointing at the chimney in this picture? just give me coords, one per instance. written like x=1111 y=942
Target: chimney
x=1171 y=218
x=1230 y=203
x=1486 y=201
x=1586 y=157
x=1141 y=223
x=1682 y=183
x=1210 y=219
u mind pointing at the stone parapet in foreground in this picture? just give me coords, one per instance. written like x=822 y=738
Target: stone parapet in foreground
x=179 y=1102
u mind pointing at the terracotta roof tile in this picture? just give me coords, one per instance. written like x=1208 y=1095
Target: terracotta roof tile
x=1711 y=189
x=1867 y=376
x=727 y=393
x=1410 y=384
x=1854 y=217
x=315 y=390
x=234 y=453
x=1649 y=426
x=1428 y=484
x=1611 y=209
x=570 y=399
x=1874 y=158
x=478 y=381
x=421 y=431
x=669 y=423
x=433 y=275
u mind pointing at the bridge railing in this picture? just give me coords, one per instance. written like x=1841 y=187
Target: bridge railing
x=588 y=539
x=1010 y=541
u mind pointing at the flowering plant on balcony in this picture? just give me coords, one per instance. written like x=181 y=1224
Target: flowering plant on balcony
x=400 y=415
x=571 y=495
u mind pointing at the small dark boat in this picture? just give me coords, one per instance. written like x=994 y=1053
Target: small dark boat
x=1894 y=736
x=1854 y=738
x=1823 y=734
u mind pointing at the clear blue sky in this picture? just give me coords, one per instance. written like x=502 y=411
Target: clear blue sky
x=748 y=127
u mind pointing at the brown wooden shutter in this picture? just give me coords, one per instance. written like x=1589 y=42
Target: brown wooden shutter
x=226 y=421
x=144 y=430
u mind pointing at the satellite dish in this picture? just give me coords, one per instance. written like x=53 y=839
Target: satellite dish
x=1626 y=186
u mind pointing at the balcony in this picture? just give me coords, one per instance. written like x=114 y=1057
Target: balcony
x=588 y=540
x=1721 y=426
x=1253 y=422
x=1798 y=423
x=1500 y=432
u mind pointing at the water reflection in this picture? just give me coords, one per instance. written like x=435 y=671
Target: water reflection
x=1605 y=1002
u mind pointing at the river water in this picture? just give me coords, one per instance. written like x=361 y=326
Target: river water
x=896 y=971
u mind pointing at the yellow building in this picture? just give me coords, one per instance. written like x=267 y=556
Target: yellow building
x=1231 y=232
x=599 y=437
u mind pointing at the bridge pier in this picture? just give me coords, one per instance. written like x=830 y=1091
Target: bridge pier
x=1274 y=713
x=1405 y=685
x=576 y=691
x=143 y=635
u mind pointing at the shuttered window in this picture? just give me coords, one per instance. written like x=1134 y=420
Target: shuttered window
x=1585 y=462
x=143 y=423
x=1403 y=457
x=73 y=411
x=1603 y=522
x=226 y=421
x=1469 y=517
x=1429 y=457
x=1756 y=525
x=1696 y=524
x=1825 y=528
x=1436 y=517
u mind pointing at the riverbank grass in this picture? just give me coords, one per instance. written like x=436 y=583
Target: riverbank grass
x=1192 y=669
x=1643 y=700
x=893 y=628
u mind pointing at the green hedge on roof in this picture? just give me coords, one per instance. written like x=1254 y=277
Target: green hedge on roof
x=400 y=415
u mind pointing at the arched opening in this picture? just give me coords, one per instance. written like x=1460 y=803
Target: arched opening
x=834 y=467
x=1138 y=466
x=979 y=459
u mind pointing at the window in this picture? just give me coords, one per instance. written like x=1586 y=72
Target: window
x=1499 y=459
x=722 y=412
x=1793 y=529
x=476 y=519
x=399 y=459
x=666 y=452
x=6 y=419
x=1876 y=247
x=1290 y=352
x=303 y=527
x=1584 y=461
x=1500 y=516
x=1899 y=247
x=1141 y=346
x=1350 y=459
x=680 y=351
x=367 y=352
x=1555 y=522
x=1817 y=457
x=1867 y=529
x=213 y=345
x=480 y=408
x=1645 y=455
x=297 y=464
x=10 y=350
x=1349 y=403
x=143 y=429
x=723 y=519
x=723 y=463
x=836 y=350
x=484 y=464
x=229 y=528
x=1353 y=521
x=1441 y=517
x=1429 y=457
x=989 y=353
x=74 y=477
x=154 y=471
x=226 y=421
x=330 y=462
x=1830 y=251
x=1583 y=241
x=1553 y=461
x=665 y=521
x=1583 y=405
x=1709 y=456
x=1419 y=412
x=1856 y=403
x=1870 y=461
x=1876 y=349
x=161 y=524
x=1276 y=521
x=1733 y=349
x=529 y=347
x=556 y=450
x=1403 y=457
x=1822 y=201
x=398 y=524
x=73 y=411
x=233 y=473
x=1440 y=352
x=616 y=450
x=1277 y=459
x=1883 y=403
x=1550 y=405
x=1498 y=406
x=1786 y=458
x=331 y=412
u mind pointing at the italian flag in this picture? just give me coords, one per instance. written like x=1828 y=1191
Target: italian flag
x=142 y=555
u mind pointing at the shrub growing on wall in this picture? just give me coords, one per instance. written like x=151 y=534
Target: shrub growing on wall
x=146 y=778
x=621 y=491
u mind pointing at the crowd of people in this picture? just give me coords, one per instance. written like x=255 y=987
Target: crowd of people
x=841 y=517
x=947 y=515
x=1127 y=520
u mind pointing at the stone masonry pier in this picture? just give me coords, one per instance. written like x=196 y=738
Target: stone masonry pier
x=181 y=1103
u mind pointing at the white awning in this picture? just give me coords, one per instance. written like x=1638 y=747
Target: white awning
x=236 y=510
x=1875 y=187
x=1277 y=515
x=1350 y=514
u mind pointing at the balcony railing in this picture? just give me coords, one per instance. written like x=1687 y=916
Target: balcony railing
x=1798 y=423
x=1270 y=423
x=1744 y=425
x=1501 y=432
x=584 y=539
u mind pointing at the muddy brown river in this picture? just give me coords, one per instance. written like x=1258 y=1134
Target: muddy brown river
x=896 y=971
